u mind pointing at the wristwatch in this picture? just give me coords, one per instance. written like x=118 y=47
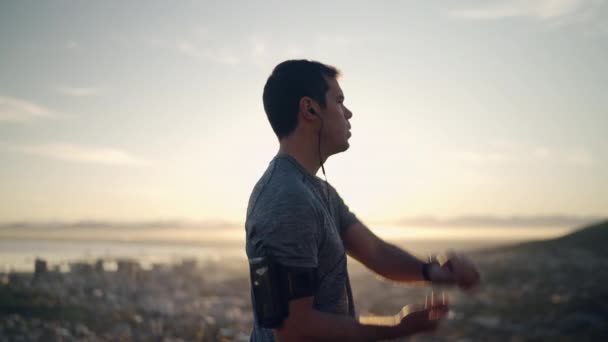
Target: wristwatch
x=426 y=267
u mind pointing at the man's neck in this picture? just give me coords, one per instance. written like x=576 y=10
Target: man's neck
x=306 y=154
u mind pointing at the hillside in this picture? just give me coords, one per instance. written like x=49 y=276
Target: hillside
x=593 y=238
x=544 y=290
x=553 y=289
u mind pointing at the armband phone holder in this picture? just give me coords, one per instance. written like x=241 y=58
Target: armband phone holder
x=274 y=285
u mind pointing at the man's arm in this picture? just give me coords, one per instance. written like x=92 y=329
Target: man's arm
x=396 y=264
x=304 y=323
x=380 y=256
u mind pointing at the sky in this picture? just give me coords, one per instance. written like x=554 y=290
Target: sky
x=152 y=110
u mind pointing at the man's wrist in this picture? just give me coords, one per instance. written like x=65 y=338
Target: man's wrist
x=426 y=270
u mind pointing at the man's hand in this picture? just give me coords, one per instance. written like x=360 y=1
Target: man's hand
x=417 y=319
x=455 y=268
x=412 y=319
x=304 y=323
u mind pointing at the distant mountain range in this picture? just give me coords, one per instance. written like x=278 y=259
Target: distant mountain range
x=99 y=224
x=503 y=221
x=591 y=239
x=470 y=221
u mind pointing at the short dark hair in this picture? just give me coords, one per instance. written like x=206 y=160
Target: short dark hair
x=289 y=82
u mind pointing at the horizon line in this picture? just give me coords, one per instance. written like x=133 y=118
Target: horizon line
x=552 y=220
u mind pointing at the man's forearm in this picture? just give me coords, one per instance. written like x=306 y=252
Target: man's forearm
x=307 y=324
x=381 y=257
x=321 y=326
x=396 y=264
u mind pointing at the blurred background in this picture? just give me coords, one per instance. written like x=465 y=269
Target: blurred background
x=132 y=133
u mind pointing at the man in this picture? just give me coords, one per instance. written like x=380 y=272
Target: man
x=303 y=224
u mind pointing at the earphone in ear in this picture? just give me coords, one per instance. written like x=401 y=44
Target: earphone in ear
x=313 y=112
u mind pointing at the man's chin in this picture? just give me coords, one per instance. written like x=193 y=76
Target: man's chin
x=343 y=147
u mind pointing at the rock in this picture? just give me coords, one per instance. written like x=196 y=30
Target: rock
x=582 y=321
x=487 y=321
x=120 y=332
x=81 y=330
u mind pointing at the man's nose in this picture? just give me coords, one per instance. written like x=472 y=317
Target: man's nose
x=348 y=113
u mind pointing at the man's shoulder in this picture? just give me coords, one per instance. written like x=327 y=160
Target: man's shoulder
x=281 y=189
x=281 y=210
x=280 y=185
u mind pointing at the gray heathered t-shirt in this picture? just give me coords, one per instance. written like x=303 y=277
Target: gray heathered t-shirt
x=288 y=218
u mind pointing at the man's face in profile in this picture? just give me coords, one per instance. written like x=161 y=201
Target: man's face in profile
x=336 y=127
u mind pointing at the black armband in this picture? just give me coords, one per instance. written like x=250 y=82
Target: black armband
x=274 y=285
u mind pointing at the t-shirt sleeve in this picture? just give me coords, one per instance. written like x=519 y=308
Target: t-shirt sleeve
x=346 y=218
x=286 y=228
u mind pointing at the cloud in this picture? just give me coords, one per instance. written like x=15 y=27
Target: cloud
x=504 y=152
x=19 y=110
x=341 y=40
x=589 y=16
x=578 y=156
x=258 y=47
x=203 y=33
x=72 y=45
x=480 y=157
x=78 y=91
x=221 y=55
x=539 y=9
x=542 y=152
x=198 y=44
x=573 y=155
x=77 y=153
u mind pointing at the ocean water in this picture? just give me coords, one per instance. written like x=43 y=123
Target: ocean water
x=20 y=254
x=20 y=247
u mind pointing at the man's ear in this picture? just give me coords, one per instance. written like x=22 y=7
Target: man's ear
x=308 y=108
